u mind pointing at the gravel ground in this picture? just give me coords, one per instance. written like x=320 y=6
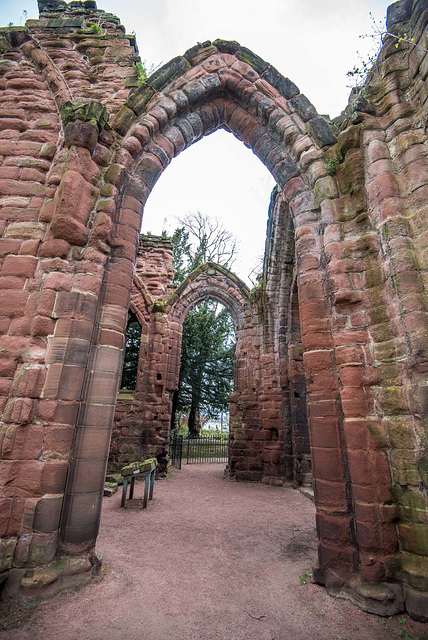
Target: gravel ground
x=208 y=560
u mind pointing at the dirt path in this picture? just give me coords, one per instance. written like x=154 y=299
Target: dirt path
x=209 y=560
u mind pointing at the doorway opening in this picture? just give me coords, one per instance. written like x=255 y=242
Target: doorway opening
x=200 y=408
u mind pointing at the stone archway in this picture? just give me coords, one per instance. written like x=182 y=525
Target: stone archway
x=357 y=203
x=214 y=282
x=257 y=440
x=225 y=85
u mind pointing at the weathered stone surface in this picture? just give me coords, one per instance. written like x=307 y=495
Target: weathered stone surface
x=198 y=53
x=140 y=97
x=81 y=134
x=7 y=549
x=227 y=46
x=252 y=59
x=93 y=112
x=48 y=510
x=168 y=72
x=75 y=200
x=322 y=132
x=398 y=12
x=110 y=489
x=304 y=108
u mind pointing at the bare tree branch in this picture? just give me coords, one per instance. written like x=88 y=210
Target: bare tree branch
x=213 y=243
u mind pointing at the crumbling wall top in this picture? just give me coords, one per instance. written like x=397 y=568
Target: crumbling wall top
x=56 y=6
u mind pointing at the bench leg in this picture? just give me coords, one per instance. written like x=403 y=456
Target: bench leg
x=124 y=488
x=131 y=490
x=146 y=490
x=152 y=483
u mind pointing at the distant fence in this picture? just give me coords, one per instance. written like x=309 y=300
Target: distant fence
x=204 y=449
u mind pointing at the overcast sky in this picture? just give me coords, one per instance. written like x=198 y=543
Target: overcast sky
x=313 y=42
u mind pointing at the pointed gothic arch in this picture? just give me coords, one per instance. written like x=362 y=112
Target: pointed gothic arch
x=223 y=86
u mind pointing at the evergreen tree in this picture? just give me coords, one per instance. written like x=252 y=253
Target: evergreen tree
x=208 y=345
x=207 y=358
x=132 y=351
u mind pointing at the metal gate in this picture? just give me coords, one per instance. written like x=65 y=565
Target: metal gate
x=204 y=449
x=176 y=450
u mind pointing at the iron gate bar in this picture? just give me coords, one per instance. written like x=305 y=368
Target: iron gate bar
x=207 y=449
x=200 y=450
x=176 y=450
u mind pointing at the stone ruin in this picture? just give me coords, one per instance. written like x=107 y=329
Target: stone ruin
x=332 y=349
x=269 y=437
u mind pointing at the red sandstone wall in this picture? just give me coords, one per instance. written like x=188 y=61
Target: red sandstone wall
x=141 y=425
x=48 y=194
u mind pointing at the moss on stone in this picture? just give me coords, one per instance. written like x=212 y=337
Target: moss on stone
x=393 y=400
x=227 y=46
x=349 y=139
x=136 y=467
x=123 y=120
x=416 y=570
x=400 y=434
x=126 y=395
x=404 y=468
x=414 y=538
x=168 y=72
x=139 y=98
x=9 y=432
x=385 y=351
x=159 y=306
x=422 y=464
x=37 y=554
x=382 y=333
x=114 y=477
x=7 y=549
x=257 y=63
x=92 y=111
x=378 y=434
x=325 y=189
x=374 y=277
x=378 y=313
x=411 y=500
x=110 y=489
x=199 y=52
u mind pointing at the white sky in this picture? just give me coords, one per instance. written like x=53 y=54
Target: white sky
x=313 y=42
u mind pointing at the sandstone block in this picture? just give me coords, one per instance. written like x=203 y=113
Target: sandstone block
x=54 y=248
x=81 y=134
x=53 y=477
x=42 y=326
x=26 y=230
x=57 y=442
x=47 y=514
x=19 y=411
x=42 y=548
x=75 y=202
x=29 y=380
x=58 y=281
x=327 y=465
x=29 y=247
x=414 y=538
x=416 y=604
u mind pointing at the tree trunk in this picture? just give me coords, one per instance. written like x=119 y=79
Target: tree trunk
x=174 y=410
x=194 y=421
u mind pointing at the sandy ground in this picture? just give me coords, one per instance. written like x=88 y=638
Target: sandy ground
x=209 y=560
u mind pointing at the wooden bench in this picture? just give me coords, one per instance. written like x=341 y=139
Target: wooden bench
x=149 y=483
